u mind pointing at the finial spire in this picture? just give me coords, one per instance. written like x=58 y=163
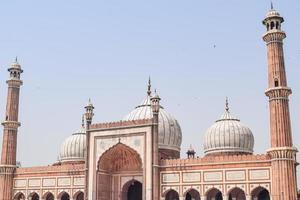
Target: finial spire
x=227 y=105
x=272 y=8
x=82 y=121
x=16 y=59
x=149 y=87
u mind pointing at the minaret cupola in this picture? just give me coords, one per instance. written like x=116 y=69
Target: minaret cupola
x=273 y=20
x=15 y=70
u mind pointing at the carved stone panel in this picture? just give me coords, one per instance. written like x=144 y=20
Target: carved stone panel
x=34 y=182
x=64 y=181
x=49 y=182
x=191 y=177
x=170 y=178
x=78 y=181
x=213 y=176
x=20 y=183
x=235 y=175
x=259 y=174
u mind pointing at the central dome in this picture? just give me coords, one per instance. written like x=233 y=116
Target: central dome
x=228 y=135
x=169 y=129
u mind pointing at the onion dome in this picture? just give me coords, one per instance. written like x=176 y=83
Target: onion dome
x=228 y=135
x=168 y=127
x=72 y=149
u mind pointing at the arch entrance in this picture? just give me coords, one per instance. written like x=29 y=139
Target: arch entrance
x=260 y=193
x=192 y=195
x=117 y=162
x=214 y=194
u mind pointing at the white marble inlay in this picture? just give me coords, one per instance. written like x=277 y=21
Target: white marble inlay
x=191 y=177
x=170 y=178
x=213 y=176
x=259 y=174
x=235 y=175
x=20 y=183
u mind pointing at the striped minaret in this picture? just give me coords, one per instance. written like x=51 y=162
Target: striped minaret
x=11 y=125
x=282 y=152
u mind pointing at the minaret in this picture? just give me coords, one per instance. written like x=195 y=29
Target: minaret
x=89 y=113
x=155 y=106
x=282 y=152
x=11 y=124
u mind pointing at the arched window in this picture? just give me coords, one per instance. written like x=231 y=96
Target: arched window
x=49 y=196
x=260 y=193
x=78 y=196
x=237 y=194
x=34 y=196
x=277 y=25
x=63 y=196
x=214 y=194
x=272 y=25
x=19 y=196
x=268 y=26
x=276 y=83
x=172 y=195
x=192 y=195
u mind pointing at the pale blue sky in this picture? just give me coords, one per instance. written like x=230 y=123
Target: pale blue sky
x=73 y=50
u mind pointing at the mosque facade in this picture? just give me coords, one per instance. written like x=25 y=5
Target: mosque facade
x=138 y=157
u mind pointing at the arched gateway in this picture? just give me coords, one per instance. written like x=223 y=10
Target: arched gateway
x=116 y=163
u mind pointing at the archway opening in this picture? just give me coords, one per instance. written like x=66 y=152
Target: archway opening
x=172 y=195
x=49 y=196
x=79 y=196
x=34 y=196
x=134 y=191
x=192 y=195
x=64 y=196
x=260 y=193
x=118 y=159
x=19 y=196
x=237 y=194
x=214 y=194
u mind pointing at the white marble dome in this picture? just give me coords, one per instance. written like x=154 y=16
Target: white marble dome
x=228 y=135
x=72 y=149
x=169 y=129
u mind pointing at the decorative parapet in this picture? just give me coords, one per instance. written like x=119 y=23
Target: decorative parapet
x=57 y=169
x=121 y=124
x=216 y=159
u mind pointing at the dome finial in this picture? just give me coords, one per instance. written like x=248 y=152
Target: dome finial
x=227 y=105
x=149 y=86
x=272 y=8
x=16 y=59
x=82 y=121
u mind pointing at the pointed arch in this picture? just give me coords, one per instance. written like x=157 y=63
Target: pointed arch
x=171 y=195
x=48 y=196
x=34 y=196
x=236 y=193
x=132 y=190
x=260 y=193
x=79 y=195
x=63 y=196
x=191 y=194
x=19 y=196
x=214 y=193
x=120 y=157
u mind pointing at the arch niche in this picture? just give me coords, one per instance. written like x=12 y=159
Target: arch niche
x=119 y=159
x=260 y=193
x=48 y=196
x=34 y=196
x=236 y=194
x=214 y=194
x=192 y=194
x=19 y=196
x=172 y=195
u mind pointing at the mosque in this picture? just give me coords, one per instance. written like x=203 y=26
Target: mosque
x=138 y=158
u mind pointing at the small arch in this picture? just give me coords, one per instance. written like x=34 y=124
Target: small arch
x=214 y=194
x=236 y=193
x=48 y=196
x=171 y=195
x=79 y=195
x=192 y=194
x=276 y=82
x=260 y=193
x=272 y=25
x=268 y=26
x=19 y=196
x=34 y=196
x=63 y=196
x=277 y=25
